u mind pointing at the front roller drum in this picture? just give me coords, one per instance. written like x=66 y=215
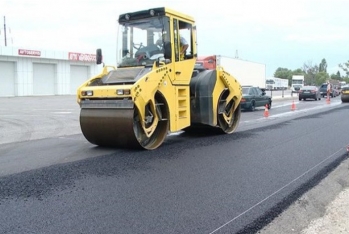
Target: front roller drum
x=229 y=119
x=119 y=128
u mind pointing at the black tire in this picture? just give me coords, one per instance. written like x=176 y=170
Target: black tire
x=300 y=99
x=269 y=105
x=253 y=106
x=345 y=98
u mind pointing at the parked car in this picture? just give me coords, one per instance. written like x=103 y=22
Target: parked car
x=323 y=91
x=309 y=92
x=345 y=93
x=253 y=97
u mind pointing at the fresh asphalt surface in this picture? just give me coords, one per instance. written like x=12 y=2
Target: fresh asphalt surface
x=53 y=181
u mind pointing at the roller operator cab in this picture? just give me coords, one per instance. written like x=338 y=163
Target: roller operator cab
x=155 y=88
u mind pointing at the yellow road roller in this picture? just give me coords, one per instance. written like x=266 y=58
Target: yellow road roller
x=156 y=86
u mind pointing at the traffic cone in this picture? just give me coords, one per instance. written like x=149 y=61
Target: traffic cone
x=328 y=101
x=266 y=111
x=293 y=106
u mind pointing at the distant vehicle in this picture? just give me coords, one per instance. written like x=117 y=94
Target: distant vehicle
x=253 y=97
x=309 y=92
x=246 y=72
x=297 y=83
x=283 y=84
x=342 y=83
x=345 y=93
x=274 y=83
x=323 y=91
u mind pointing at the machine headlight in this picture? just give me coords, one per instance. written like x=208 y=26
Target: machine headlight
x=87 y=93
x=127 y=16
x=123 y=92
x=152 y=12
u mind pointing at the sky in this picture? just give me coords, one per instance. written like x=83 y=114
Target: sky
x=277 y=33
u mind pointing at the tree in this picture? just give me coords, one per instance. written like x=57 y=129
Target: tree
x=310 y=71
x=345 y=67
x=284 y=73
x=323 y=66
x=336 y=76
x=321 y=78
x=298 y=71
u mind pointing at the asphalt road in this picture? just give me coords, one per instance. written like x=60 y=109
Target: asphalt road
x=54 y=181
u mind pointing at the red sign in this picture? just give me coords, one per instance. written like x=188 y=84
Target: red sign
x=29 y=52
x=81 y=57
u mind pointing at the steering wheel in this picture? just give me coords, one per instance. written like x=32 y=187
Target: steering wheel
x=138 y=46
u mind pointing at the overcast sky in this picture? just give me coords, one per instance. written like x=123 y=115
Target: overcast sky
x=277 y=33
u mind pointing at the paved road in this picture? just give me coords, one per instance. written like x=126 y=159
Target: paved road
x=322 y=210
x=193 y=184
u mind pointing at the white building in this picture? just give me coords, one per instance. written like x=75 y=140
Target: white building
x=26 y=72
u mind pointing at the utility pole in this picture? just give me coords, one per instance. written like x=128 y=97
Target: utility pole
x=5 y=30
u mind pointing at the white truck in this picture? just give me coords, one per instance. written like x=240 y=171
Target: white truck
x=275 y=83
x=342 y=83
x=297 y=83
x=246 y=72
x=283 y=84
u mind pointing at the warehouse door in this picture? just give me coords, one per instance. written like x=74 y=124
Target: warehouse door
x=78 y=75
x=44 y=79
x=7 y=78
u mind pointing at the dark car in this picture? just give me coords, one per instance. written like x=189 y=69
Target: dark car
x=253 y=97
x=345 y=93
x=311 y=92
x=323 y=91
